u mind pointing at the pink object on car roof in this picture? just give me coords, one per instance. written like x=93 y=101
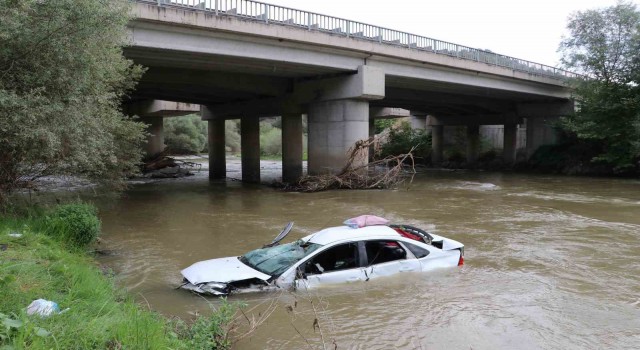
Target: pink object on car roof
x=365 y=220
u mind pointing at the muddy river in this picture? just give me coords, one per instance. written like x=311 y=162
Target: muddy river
x=551 y=262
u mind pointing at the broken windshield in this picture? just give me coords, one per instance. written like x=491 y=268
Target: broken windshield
x=274 y=261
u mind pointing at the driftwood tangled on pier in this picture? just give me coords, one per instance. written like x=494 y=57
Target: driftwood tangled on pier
x=359 y=172
x=164 y=166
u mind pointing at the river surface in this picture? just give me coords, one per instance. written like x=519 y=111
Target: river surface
x=551 y=262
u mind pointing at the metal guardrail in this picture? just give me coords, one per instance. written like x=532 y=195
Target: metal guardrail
x=279 y=15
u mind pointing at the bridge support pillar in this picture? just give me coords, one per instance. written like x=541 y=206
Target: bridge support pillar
x=250 y=148
x=291 y=147
x=437 y=143
x=155 y=139
x=473 y=143
x=540 y=120
x=334 y=127
x=372 y=133
x=419 y=122
x=217 y=151
x=540 y=132
x=510 y=140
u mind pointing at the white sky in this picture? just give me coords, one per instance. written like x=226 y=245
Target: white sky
x=529 y=30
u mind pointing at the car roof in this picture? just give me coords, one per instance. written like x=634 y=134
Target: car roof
x=346 y=233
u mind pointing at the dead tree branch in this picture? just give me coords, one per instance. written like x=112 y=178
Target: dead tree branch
x=359 y=172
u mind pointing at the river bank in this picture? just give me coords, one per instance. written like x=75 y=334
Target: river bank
x=95 y=313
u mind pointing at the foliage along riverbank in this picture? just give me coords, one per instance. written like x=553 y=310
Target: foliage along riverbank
x=44 y=255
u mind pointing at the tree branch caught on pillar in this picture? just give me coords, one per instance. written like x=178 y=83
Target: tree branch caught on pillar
x=359 y=173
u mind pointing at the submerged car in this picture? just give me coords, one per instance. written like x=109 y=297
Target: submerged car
x=333 y=255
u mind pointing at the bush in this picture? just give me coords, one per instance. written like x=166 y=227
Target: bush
x=74 y=224
x=383 y=124
x=270 y=140
x=232 y=135
x=403 y=138
x=185 y=135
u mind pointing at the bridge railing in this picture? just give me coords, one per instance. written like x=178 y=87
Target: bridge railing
x=274 y=14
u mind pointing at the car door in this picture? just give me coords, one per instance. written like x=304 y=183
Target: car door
x=338 y=264
x=386 y=258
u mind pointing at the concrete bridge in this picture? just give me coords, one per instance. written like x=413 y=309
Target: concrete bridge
x=245 y=59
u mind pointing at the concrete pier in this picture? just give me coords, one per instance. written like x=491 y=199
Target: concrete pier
x=510 y=143
x=155 y=139
x=217 y=151
x=250 y=144
x=334 y=127
x=437 y=143
x=418 y=122
x=291 y=148
x=541 y=118
x=539 y=133
x=473 y=143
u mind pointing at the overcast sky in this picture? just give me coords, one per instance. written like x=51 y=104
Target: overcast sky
x=528 y=30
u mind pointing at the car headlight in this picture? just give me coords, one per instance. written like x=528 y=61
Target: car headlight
x=215 y=288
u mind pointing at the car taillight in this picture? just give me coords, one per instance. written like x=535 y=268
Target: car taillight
x=461 y=261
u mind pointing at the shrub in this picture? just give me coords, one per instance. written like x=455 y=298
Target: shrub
x=74 y=224
x=270 y=140
x=232 y=135
x=403 y=138
x=383 y=124
x=185 y=135
x=489 y=155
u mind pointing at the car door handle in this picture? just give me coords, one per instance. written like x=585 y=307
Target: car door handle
x=406 y=268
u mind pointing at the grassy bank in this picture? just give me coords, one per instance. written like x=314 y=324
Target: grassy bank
x=39 y=264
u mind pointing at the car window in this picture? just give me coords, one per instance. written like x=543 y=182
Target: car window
x=275 y=260
x=342 y=257
x=379 y=252
x=419 y=252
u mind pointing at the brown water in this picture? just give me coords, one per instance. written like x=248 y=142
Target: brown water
x=551 y=262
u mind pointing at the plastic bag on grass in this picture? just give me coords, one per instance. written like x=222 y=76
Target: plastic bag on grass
x=42 y=307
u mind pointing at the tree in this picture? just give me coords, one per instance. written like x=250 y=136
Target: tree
x=603 y=45
x=62 y=80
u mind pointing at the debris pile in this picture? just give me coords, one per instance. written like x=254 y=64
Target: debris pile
x=359 y=172
x=163 y=166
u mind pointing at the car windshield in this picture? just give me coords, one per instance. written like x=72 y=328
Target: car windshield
x=274 y=261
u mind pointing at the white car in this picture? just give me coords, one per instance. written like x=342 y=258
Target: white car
x=333 y=255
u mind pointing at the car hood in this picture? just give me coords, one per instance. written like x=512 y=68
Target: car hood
x=222 y=270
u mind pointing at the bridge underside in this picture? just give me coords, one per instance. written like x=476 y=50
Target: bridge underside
x=236 y=76
x=224 y=81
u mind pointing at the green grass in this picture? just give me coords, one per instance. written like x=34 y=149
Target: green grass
x=100 y=315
